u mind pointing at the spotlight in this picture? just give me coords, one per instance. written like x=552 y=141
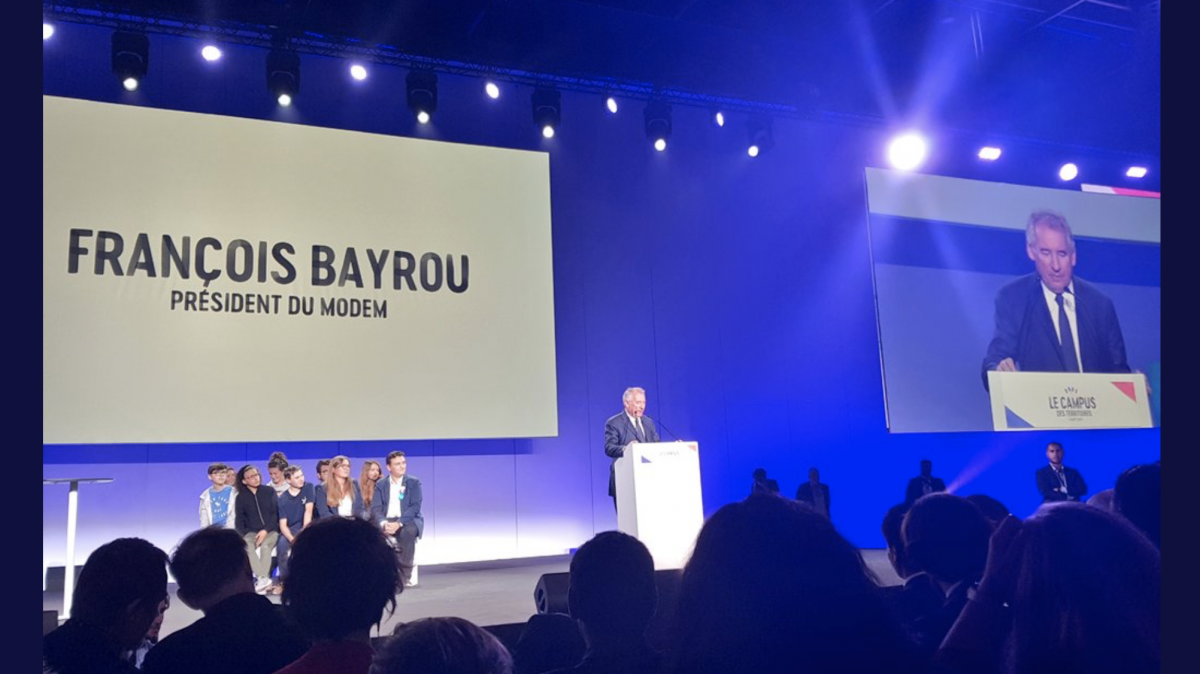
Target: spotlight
x=907 y=151
x=130 y=58
x=989 y=153
x=762 y=137
x=658 y=123
x=47 y=31
x=1136 y=172
x=211 y=53
x=422 y=94
x=547 y=110
x=719 y=118
x=611 y=104
x=358 y=72
x=1068 y=172
x=283 y=75
x=492 y=89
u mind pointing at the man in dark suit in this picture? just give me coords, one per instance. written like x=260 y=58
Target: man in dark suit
x=923 y=484
x=763 y=483
x=1052 y=321
x=396 y=509
x=814 y=493
x=624 y=428
x=1056 y=482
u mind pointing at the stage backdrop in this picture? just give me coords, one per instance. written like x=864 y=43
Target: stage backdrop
x=737 y=291
x=222 y=280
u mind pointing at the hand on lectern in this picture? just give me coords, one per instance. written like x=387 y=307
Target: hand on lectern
x=1007 y=365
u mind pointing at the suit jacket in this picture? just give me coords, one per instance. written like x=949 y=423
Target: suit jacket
x=805 y=493
x=916 y=491
x=322 y=506
x=410 y=507
x=1025 y=330
x=1048 y=484
x=618 y=432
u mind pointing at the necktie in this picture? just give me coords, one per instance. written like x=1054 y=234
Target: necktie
x=1062 y=478
x=637 y=421
x=1068 y=337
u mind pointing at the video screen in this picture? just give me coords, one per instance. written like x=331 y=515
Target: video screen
x=1007 y=307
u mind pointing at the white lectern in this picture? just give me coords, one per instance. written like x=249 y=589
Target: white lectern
x=1033 y=400
x=658 y=499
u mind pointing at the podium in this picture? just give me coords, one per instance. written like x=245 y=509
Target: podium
x=658 y=499
x=1060 y=400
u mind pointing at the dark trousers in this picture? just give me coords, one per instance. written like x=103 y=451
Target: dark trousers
x=282 y=548
x=405 y=544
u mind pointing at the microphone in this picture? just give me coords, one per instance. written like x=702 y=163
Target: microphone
x=660 y=425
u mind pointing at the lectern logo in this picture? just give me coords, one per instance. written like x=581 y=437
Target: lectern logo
x=1072 y=404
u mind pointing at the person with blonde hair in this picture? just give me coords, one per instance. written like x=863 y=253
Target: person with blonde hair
x=340 y=495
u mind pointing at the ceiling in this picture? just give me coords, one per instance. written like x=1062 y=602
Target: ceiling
x=1076 y=72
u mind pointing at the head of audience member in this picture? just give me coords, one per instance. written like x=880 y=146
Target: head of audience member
x=1103 y=499
x=993 y=510
x=294 y=476
x=248 y=477
x=549 y=641
x=947 y=537
x=341 y=576
x=211 y=565
x=216 y=474
x=926 y=468
x=612 y=591
x=814 y=475
x=1138 y=497
x=892 y=521
x=339 y=484
x=370 y=471
x=367 y=477
x=323 y=470
x=771 y=585
x=760 y=474
x=276 y=466
x=231 y=477
x=1085 y=593
x=442 y=646
x=397 y=464
x=121 y=590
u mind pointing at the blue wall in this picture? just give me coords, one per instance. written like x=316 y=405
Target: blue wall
x=737 y=292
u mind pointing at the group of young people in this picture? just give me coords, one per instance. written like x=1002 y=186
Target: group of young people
x=269 y=516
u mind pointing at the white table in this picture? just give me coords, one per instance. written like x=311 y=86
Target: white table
x=72 y=518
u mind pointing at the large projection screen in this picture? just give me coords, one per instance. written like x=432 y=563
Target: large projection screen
x=950 y=263
x=213 y=279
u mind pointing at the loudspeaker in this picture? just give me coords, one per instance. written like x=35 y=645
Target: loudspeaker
x=550 y=596
x=550 y=593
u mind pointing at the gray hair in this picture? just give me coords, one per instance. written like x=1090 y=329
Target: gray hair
x=1049 y=219
x=630 y=391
